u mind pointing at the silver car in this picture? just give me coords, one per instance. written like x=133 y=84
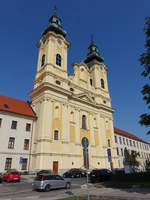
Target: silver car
x=47 y=182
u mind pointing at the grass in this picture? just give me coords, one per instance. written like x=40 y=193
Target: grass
x=93 y=198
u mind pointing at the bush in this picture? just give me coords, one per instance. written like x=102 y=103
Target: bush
x=133 y=177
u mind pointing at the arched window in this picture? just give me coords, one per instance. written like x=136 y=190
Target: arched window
x=83 y=122
x=58 y=60
x=56 y=135
x=102 y=83
x=43 y=60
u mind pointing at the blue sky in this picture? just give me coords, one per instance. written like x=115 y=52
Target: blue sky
x=117 y=27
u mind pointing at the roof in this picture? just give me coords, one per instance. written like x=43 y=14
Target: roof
x=129 y=135
x=9 y=104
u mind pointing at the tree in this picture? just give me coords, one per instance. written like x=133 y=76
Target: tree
x=147 y=165
x=145 y=62
x=133 y=159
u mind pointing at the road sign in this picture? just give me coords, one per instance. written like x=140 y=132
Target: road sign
x=21 y=160
x=109 y=155
x=85 y=142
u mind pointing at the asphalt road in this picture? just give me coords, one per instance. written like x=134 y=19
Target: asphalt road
x=23 y=190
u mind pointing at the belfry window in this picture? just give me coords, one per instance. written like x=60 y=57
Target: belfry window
x=43 y=60
x=56 y=135
x=83 y=122
x=102 y=83
x=58 y=60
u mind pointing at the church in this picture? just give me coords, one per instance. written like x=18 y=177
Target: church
x=70 y=107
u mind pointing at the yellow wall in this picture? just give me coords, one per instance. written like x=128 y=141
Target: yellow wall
x=72 y=134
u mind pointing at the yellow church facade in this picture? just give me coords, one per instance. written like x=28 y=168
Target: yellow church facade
x=70 y=107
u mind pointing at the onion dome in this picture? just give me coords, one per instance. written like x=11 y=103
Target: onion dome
x=55 y=25
x=93 y=53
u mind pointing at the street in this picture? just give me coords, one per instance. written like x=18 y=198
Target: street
x=23 y=190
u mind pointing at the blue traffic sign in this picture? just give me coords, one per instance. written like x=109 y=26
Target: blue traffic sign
x=109 y=155
x=21 y=160
x=85 y=142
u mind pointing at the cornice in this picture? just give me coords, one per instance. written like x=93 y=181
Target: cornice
x=57 y=154
x=72 y=84
x=57 y=36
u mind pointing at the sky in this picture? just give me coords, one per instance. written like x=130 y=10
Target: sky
x=118 y=29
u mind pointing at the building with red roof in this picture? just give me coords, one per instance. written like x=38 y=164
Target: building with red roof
x=131 y=142
x=16 y=127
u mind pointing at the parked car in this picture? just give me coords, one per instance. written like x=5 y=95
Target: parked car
x=1 y=180
x=47 y=182
x=44 y=171
x=98 y=175
x=74 y=173
x=118 y=171
x=11 y=175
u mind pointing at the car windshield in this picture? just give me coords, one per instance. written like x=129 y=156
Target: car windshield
x=13 y=173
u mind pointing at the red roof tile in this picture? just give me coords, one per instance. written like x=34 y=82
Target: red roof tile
x=17 y=106
x=129 y=135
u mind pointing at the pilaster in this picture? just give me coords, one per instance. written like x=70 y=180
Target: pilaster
x=92 y=130
x=77 y=116
x=65 y=123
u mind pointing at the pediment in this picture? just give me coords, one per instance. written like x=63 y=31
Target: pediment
x=85 y=97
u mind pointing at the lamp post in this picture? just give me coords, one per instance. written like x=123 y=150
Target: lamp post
x=85 y=145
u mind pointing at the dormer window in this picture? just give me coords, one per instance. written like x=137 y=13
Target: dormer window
x=43 y=60
x=102 y=84
x=58 y=60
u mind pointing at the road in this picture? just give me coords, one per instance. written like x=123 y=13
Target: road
x=23 y=190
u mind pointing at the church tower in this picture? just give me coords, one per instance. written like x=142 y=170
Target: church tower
x=53 y=48
x=70 y=107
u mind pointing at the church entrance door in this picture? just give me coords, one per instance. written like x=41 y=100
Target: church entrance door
x=55 y=167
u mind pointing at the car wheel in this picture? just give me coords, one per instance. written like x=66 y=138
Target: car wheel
x=68 y=185
x=47 y=188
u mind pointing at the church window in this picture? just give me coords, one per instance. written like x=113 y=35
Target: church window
x=58 y=60
x=91 y=82
x=56 y=135
x=102 y=83
x=83 y=122
x=58 y=82
x=43 y=60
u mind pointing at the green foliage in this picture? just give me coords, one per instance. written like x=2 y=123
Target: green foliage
x=133 y=159
x=147 y=165
x=145 y=62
